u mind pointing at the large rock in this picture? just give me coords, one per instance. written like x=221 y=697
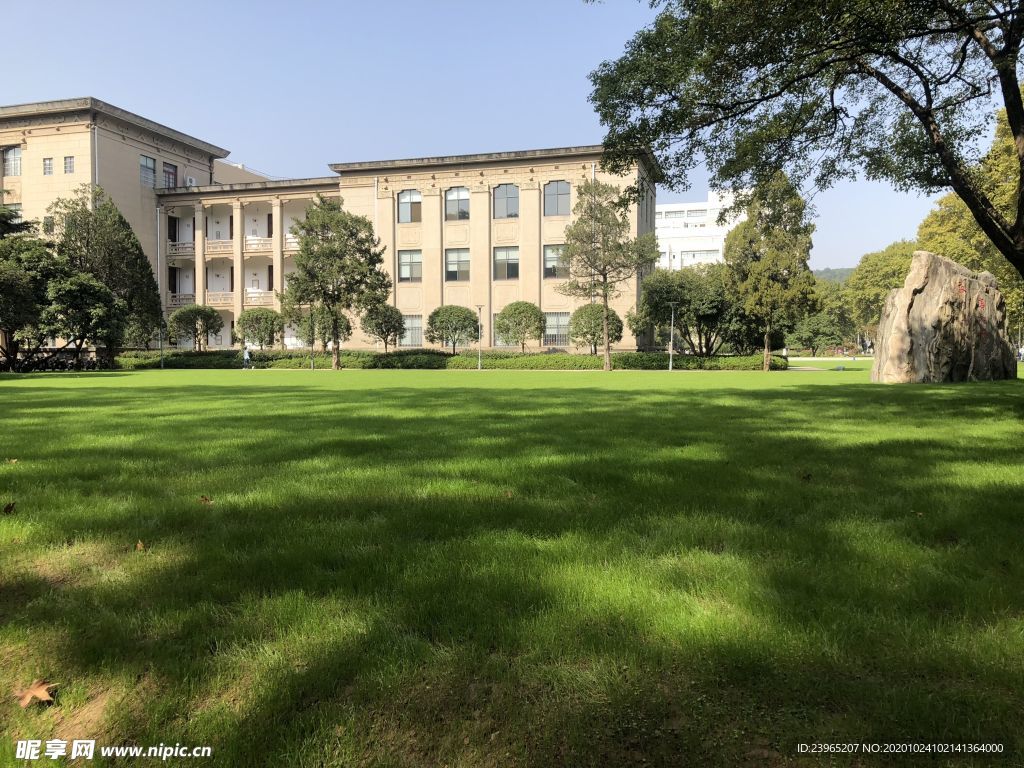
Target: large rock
x=945 y=324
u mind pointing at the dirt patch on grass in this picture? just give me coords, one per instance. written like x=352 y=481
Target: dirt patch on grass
x=86 y=721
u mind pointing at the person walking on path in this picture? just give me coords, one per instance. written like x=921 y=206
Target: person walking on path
x=245 y=359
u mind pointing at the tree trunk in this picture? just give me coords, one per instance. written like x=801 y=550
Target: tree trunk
x=335 y=346
x=768 y=349
x=604 y=328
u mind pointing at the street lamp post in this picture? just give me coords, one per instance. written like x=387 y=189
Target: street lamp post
x=479 y=337
x=672 y=334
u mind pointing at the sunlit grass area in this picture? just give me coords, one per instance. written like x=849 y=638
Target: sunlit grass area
x=406 y=568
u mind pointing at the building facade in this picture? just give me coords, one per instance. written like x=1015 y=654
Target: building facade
x=479 y=231
x=690 y=233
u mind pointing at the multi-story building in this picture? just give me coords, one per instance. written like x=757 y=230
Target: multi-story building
x=479 y=231
x=50 y=149
x=690 y=233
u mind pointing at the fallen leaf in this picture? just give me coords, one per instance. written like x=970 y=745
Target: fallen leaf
x=139 y=546
x=204 y=499
x=9 y=508
x=38 y=690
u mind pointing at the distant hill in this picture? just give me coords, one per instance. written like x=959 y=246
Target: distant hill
x=830 y=275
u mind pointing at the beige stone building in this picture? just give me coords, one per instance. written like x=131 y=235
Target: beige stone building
x=480 y=231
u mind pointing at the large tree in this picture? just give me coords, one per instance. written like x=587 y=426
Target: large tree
x=869 y=285
x=951 y=230
x=519 y=322
x=600 y=252
x=339 y=266
x=95 y=239
x=452 y=324
x=767 y=257
x=899 y=89
x=82 y=310
x=702 y=303
x=34 y=259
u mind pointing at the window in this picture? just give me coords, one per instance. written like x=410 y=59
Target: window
x=556 y=329
x=456 y=264
x=506 y=263
x=69 y=163
x=556 y=198
x=498 y=340
x=47 y=225
x=456 y=204
x=147 y=171
x=170 y=176
x=14 y=208
x=413 y=336
x=12 y=161
x=506 y=201
x=410 y=266
x=696 y=214
x=47 y=166
x=657 y=215
x=675 y=214
x=409 y=206
x=554 y=265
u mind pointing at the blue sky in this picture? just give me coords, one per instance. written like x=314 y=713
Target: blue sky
x=291 y=86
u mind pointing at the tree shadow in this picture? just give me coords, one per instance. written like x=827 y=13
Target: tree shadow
x=532 y=576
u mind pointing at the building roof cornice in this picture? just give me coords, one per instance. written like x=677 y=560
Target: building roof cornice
x=443 y=161
x=88 y=103
x=280 y=185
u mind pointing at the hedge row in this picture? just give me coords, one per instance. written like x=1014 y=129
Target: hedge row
x=421 y=359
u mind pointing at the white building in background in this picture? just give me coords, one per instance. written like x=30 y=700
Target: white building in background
x=689 y=233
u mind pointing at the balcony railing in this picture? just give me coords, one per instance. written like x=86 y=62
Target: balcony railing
x=180 y=299
x=219 y=246
x=254 y=298
x=258 y=243
x=185 y=248
x=220 y=298
x=291 y=242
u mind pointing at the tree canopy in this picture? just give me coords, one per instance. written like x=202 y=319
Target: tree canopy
x=384 y=323
x=259 y=325
x=452 y=324
x=519 y=322
x=95 y=239
x=876 y=274
x=600 y=253
x=767 y=257
x=586 y=326
x=339 y=266
x=898 y=89
x=195 y=323
x=951 y=230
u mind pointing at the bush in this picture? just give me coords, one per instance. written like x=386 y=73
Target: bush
x=431 y=359
x=560 y=361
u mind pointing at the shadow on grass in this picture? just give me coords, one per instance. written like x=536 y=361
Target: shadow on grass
x=574 y=576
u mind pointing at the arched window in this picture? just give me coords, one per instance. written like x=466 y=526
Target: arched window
x=409 y=205
x=556 y=198
x=506 y=201
x=456 y=204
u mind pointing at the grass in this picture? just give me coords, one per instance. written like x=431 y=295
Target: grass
x=422 y=568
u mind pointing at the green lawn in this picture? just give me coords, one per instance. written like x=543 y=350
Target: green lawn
x=462 y=568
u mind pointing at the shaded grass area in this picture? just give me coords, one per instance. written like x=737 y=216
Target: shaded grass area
x=481 y=568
